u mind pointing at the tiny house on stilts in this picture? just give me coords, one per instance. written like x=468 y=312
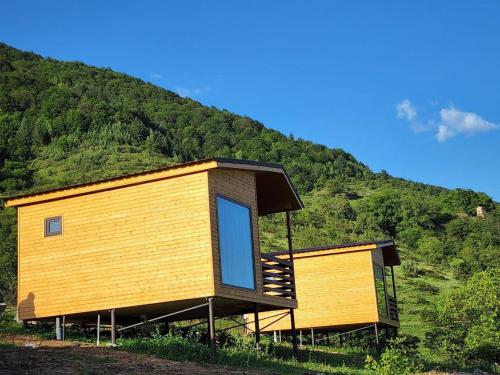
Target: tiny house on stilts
x=171 y=244
x=343 y=288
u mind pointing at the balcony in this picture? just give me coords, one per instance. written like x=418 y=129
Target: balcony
x=278 y=277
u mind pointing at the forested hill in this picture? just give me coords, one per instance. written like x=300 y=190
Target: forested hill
x=65 y=122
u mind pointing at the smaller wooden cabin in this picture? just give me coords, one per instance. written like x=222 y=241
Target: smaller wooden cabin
x=341 y=288
x=160 y=242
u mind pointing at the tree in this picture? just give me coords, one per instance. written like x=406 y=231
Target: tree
x=466 y=321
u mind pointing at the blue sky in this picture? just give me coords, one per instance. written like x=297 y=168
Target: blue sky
x=409 y=87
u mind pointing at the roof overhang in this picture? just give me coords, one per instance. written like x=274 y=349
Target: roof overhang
x=275 y=191
x=390 y=253
x=388 y=247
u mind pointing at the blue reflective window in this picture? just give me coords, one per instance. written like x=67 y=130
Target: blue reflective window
x=235 y=244
x=53 y=226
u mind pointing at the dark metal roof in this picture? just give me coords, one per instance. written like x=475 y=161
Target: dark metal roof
x=227 y=161
x=393 y=259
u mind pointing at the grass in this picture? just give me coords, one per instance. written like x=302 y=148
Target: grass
x=271 y=357
x=417 y=293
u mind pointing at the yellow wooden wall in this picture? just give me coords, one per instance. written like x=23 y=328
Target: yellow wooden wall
x=134 y=245
x=332 y=290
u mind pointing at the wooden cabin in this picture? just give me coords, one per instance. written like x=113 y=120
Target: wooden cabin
x=341 y=288
x=159 y=242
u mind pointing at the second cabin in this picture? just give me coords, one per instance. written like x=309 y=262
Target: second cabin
x=152 y=243
x=341 y=288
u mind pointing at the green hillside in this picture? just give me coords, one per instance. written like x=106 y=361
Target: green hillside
x=65 y=122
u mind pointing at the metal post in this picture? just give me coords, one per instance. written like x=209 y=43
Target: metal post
x=63 y=326
x=292 y=312
x=257 y=326
x=393 y=284
x=58 y=329
x=211 y=327
x=376 y=338
x=300 y=338
x=279 y=335
x=113 y=327
x=312 y=337
x=98 y=328
x=275 y=336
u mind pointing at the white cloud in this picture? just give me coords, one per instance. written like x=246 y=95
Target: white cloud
x=187 y=92
x=454 y=122
x=406 y=110
x=156 y=75
x=449 y=123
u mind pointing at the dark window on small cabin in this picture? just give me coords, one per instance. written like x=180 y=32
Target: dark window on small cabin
x=53 y=226
x=380 y=288
x=235 y=244
x=390 y=287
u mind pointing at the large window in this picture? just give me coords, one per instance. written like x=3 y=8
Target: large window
x=380 y=289
x=235 y=244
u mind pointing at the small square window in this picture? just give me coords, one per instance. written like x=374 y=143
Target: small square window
x=53 y=226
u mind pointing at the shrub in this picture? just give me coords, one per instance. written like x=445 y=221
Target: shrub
x=410 y=269
x=466 y=321
x=424 y=286
x=401 y=357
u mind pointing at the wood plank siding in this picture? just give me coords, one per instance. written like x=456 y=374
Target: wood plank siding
x=143 y=243
x=135 y=245
x=335 y=288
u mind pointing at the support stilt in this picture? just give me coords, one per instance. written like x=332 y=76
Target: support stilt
x=58 y=329
x=292 y=312
x=312 y=337
x=257 y=326
x=98 y=329
x=275 y=336
x=300 y=338
x=377 y=338
x=63 y=326
x=211 y=325
x=113 y=327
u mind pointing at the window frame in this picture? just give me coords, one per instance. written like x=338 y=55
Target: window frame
x=380 y=313
x=46 y=225
x=254 y=268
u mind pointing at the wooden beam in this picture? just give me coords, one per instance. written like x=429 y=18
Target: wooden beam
x=278 y=276
x=278 y=291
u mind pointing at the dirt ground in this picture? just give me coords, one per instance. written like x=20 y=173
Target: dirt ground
x=31 y=356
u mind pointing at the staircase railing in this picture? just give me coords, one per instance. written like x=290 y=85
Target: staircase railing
x=393 y=308
x=278 y=277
